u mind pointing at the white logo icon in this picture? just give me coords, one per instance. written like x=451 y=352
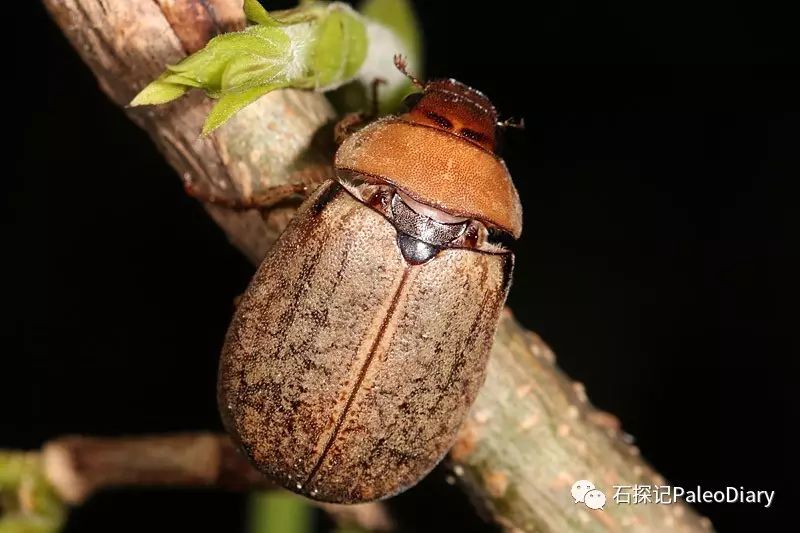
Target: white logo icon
x=580 y=488
x=595 y=499
x=584 y=491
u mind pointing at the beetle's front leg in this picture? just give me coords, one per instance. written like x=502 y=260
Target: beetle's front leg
x=347 y=125
x=263 y=200
x=303 y=183
x=352 y=121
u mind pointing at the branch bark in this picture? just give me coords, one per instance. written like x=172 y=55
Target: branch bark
x=78 y=466
x=71 y=469
x=532 y=431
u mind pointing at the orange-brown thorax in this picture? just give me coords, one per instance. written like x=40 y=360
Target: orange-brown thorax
x=440 y=153
x=457 y=108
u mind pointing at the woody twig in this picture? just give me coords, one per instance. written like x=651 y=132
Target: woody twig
x=71 y=469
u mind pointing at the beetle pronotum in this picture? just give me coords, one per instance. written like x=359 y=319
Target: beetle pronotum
x=362 y=340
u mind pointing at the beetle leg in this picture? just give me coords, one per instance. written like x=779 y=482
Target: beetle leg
x=263 y=200
x=347 y=125
x=375 y=88
x=352 y=121
x=280 y=193
x=301 y=184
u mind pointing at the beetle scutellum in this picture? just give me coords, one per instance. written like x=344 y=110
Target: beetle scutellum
x=362 y=340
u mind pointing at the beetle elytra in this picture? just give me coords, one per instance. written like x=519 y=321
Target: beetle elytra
x=362 y=340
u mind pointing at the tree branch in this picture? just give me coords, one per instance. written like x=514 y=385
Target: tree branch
x=75 y=467
x=532 y=431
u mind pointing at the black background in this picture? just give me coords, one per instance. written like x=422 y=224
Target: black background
x=654 y=173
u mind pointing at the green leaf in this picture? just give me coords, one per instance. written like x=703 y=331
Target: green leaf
x=255 y=12
x=244 y=73
x=158 y=92
x=340 y=48
x=230 y=104
x=305 y=12
x=218 y=68
x=355 y=43
x=326 y=58
x=315 y=46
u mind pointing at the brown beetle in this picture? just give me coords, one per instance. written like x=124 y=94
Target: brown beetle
x=363 y=338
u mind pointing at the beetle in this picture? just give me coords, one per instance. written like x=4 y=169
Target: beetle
x=362 y=340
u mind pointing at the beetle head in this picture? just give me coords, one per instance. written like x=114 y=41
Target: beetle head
x=454 y=107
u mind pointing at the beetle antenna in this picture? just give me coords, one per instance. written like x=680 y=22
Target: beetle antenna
x=402 y=65
x=512 y=123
